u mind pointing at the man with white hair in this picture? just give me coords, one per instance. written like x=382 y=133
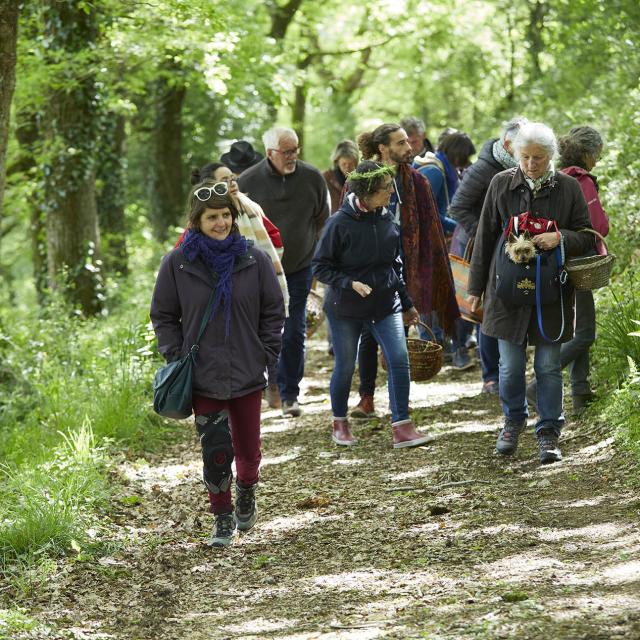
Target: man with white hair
x=294 y=196
x=496 y=156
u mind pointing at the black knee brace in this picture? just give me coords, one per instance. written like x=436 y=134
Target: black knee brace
x=217 y=450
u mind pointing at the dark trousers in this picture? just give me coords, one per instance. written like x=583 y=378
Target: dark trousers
x=244 y=423
x=575 y=353
x=291 y=361
x=489 y=357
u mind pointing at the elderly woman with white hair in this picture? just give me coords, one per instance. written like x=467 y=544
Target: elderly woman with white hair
x=554 y=205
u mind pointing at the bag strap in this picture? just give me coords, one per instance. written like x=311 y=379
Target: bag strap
x=205 y=319
x=561 y=281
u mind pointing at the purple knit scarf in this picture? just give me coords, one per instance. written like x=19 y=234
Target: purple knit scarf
x=220 y=257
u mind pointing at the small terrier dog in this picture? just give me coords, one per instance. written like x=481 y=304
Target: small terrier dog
x=520 y=249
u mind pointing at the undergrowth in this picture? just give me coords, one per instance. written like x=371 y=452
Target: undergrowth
x=74 y=392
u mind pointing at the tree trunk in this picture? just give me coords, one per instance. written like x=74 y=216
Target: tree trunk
x=70 y=139
x=166 y=188
x=8 y=40
x=110 y=177
x=28 y=136
x=537 y=13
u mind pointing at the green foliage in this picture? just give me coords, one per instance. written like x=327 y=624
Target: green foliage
x=621 y=410
x=618 y=310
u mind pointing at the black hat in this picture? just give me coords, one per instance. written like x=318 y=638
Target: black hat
x=240 y=156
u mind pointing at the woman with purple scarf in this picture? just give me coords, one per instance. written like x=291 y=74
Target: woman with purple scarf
x=218 y=273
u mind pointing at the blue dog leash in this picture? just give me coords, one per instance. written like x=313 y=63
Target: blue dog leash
x=562 y=278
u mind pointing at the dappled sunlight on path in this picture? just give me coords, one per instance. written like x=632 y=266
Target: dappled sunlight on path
x=445 y=541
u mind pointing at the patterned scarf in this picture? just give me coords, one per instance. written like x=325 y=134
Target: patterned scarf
x=219 y=256
x=502 y=156
x=536 y=184
x=426 y=261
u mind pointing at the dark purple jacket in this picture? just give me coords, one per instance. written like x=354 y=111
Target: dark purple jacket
x=226 y=367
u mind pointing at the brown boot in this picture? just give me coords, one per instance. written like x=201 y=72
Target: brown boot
x=272 y=395
x=364 y=409
x=342 y=433
x=405 y=435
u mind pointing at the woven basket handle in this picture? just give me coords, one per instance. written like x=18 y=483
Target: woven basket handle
x=595 y=233
x=428 y=328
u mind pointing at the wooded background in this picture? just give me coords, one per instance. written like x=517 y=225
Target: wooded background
x=114 y=102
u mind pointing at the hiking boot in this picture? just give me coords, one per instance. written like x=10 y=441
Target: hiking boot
x=272 y=395
x=405 y=435
x=225 y=530
x=342 y=433
x=581 y=402
x=491 y=387
x=462 y=360
x=246 y=512
x=532 y=396
x=548 y=447
x=291 y=408
x=364 y=409
x=508 y=437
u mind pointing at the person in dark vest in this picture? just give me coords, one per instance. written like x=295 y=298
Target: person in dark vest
x=294 y=195
x=242 y=337
x=536 y=188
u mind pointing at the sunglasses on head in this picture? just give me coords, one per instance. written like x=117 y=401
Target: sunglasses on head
x=204 y=193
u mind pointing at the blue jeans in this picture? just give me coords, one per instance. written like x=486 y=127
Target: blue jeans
x=389 y=334
x=291 y=361
x=489 y=357
x=513 y=384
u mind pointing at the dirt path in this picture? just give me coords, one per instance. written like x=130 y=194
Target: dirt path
x=442 y=542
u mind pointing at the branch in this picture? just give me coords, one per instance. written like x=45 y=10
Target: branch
x=282 y=17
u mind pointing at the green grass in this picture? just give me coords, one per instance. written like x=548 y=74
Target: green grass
x=73 y=392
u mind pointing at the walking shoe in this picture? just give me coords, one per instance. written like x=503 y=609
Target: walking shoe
x=342 y=433
x=548 y=446
x=246 y=512
x=225 y=530
x=581 y=402
x=462 y=360
x=508 y=437
x=406 y=435
x=491 y=387
x=272 y=394
x=291 y=408
x=532 y=396
x=364 y=409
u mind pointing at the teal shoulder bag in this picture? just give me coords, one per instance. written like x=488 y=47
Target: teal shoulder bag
x=172 y=386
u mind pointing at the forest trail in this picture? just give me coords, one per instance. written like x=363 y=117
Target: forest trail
x=443 y=542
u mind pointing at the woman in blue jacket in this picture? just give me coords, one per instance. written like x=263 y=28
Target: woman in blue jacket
x=358 y=257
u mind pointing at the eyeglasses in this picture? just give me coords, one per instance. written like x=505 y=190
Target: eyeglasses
x=204 y=193
x=289 y=153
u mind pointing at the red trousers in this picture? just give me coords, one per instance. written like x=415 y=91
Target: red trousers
x=244 y=421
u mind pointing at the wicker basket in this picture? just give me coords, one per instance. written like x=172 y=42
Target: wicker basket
x=591 y=272
x=425 y=357
x=315 y=314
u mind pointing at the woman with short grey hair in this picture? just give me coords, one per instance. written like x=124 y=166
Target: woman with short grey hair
x=344 y=159
x=533 y=187
x=579 y=152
